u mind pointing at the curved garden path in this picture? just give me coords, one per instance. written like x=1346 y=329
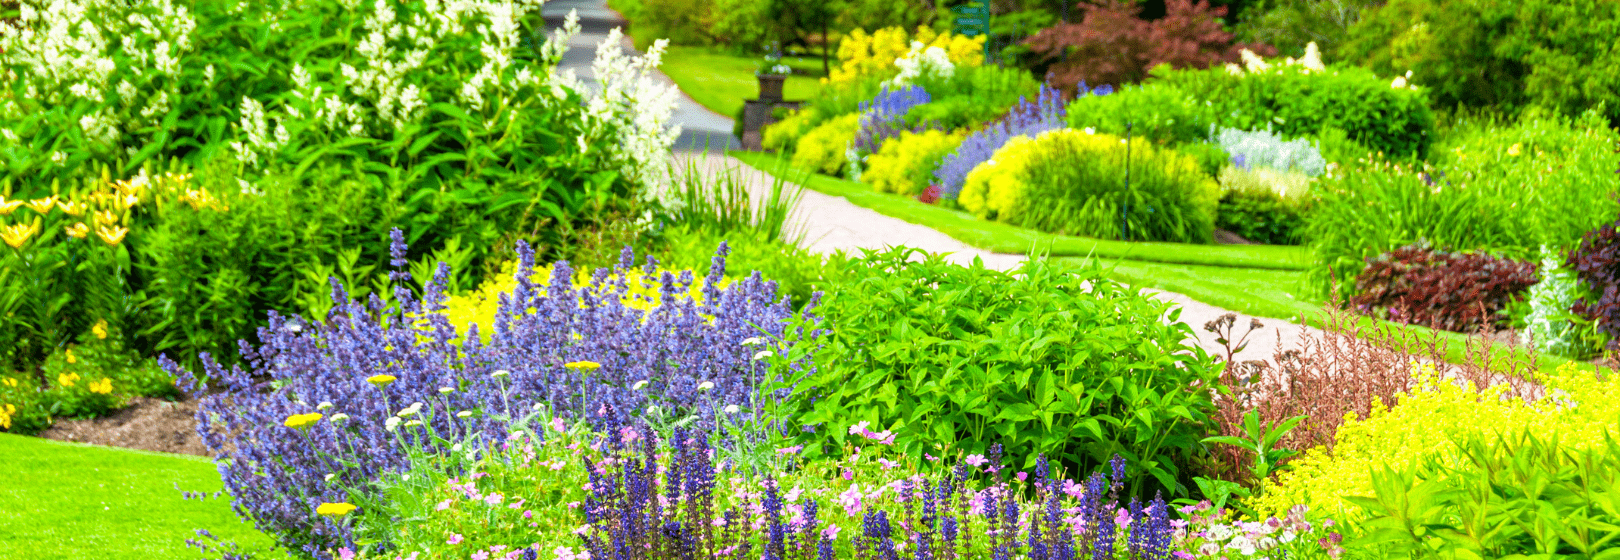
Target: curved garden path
x=831 y=223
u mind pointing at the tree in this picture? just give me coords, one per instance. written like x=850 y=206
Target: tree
x=797 y=20
x=1113 y=45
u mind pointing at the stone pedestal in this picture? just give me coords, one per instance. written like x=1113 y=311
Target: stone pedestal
x=756 y=114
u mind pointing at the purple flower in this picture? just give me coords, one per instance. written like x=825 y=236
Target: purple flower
x=1025 y=119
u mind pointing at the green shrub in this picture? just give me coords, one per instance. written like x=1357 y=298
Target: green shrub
x=1557 y=54
x=89 y=378
x=1260 y=216
x=1506 y=189
x=1159 y=112
x=824 y=147
x=906 y=163
x=1296 y=102
x=1073 y=182
x=784 y=135
x=1047 y=359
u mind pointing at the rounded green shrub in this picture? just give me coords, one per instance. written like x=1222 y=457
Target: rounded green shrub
x=906 y=163
x=823 y=148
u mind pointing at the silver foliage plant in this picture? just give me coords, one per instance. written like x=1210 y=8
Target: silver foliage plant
x=1548 y=327
x=1262 y=148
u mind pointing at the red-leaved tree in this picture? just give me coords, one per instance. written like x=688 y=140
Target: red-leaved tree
x=1113 y=45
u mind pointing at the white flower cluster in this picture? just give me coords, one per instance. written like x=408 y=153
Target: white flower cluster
x=633 y=105
x=1254 y=64
x=257 y=129
x=920 y=62
x=1262 y=148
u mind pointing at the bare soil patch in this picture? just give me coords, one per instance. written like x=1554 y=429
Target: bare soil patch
x=149 y=424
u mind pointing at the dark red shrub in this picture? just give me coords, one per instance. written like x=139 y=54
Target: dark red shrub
x=1596 y=262
x=1458 y=292
x=1112 y=45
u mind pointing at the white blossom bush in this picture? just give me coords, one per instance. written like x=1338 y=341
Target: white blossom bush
x=921 y=63
x=435 y=96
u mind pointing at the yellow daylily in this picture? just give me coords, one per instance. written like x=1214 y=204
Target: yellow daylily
x=1514 y=150
x=100 y=329
x=71 y=358
x=7 y=206
x=42 y=205
x=106 y=217
x=101 y=387
x=16 y=235
x=72 y=208
x=78 y=231
x=335 y=510
x=112 y=235
x=302 y=421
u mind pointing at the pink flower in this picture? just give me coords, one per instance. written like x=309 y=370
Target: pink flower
x=929 y=457
x=830 y=533
x=528 y=514
x=849 y=474
x=444 y=505
x=976 y=460
x=573 y=505
x=480 y=555
x=1022 y=476
x=851 y=500
x=345 y=554
x=859 y=428
x=1182 y=555
x=887 y=464
x=557 y=424
x=1122 y=518
x=582 y=530
x=493 y=499
x=790 y=450
x=793 y=495
x=516 y=504
x=454 y=539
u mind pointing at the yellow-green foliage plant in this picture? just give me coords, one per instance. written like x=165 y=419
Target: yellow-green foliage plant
x=784 y=135
x=1424 y=425
x=1075 y=182
x=822 y=149
x=992 y=189
x=905 y=164
x=479 y=306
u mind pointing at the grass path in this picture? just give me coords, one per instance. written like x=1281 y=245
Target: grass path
x=67 y=500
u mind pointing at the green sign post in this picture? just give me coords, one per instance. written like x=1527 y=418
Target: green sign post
x=973 y=19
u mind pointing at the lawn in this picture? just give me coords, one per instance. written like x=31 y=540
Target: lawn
x=65 y=500
x=721 y=81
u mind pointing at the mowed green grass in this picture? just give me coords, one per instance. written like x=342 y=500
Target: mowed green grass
x=65 y=500
x=721 y=81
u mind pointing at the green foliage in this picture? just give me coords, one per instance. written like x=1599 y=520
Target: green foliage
x=906 y=163
x=1513 y=496
x=1290 y=25
x=1557 y=54
x=1297 y=103
x=1159 y=112
x=1260 y=216
x=1047 y=359
x=1261 y=441
x=1507 y=189
x=784 y=135
x=823 y=148
x=973 y=95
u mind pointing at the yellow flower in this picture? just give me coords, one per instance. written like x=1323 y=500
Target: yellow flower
x=101 y=387
x=100 y=329
x=1514 y=149
x=380 y=380
x=7 y=206
x=78 y=231
x=582 y=365
x=66 y=379
x=335 y=510
x=70 y=358
x=16 y=235
x=112 y=235
x=10 y=382
x=302 y=421
x=42 y=205
x=106 y=217
x=72 y=208
x=5 y=416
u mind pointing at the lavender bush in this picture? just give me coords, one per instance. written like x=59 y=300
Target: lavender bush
x=882 y=118
x=371 y=366
x=1025 y=119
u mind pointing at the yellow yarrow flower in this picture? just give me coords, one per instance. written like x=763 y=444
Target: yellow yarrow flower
x=380 y=380
x=335 y=510
x=100 y=329
x=302 y=421
x=101 y=387
x=582 y=365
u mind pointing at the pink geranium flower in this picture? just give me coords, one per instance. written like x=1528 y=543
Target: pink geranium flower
x=455 y=538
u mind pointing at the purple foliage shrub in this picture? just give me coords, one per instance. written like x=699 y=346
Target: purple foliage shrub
x=1025 y=119
x=883 y=117
x=277 y=475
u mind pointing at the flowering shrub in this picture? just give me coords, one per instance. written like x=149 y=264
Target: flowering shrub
x=1453 y=291
x=1072 y=181
x=784 y=135
x=1025 y=119
x=936 y=354
x=1261 y=148
x=582 y=351
x=880 y=120
x=1258 y=214
x=877 y=54
x=907 y=162
x=1428 y=422
x=825 y=148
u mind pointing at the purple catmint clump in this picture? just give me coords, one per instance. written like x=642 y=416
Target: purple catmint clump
x=369 y=360
x=1025 y=119
x=884 y=115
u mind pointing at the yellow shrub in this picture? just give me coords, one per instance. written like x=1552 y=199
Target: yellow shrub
x=994 y=186
x=861 y=55
x=479 y=306
x=784 y=135
x=905 y=164
x=823 y=148
x=1425 y=422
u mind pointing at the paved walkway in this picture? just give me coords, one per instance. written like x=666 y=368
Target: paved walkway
x=832 y=223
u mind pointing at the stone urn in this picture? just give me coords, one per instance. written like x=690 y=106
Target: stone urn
x=770 y=87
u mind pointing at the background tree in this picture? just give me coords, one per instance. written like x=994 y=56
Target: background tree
x=1113 y=44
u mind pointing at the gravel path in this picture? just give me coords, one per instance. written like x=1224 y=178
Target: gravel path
x=832 y=223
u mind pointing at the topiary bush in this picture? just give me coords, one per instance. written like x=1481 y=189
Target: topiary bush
x=1049 y=359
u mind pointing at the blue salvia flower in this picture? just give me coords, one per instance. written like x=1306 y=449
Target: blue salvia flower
x=776 y=531
x=1137 y=540
x=1025 y=119
x=1159 y=532
x=824 y=549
